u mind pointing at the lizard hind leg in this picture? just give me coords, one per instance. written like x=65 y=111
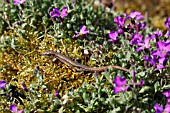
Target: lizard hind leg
x=55 y=59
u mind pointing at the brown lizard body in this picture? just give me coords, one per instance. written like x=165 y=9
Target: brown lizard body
x=78 y=66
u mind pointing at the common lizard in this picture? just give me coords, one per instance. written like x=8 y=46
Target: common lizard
x=78 y=66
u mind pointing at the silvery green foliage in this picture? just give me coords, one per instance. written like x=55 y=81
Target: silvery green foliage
x=33 y=17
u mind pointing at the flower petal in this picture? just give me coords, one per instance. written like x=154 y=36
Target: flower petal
x=83 y=30
x=57 y=94
x=158 y=108
x=117 y=89
x=2 y=84
x=55 y=13
x=167 y=23
x=63 y=13
x=20 y=111
x=166 y=93
x=119 y=81
x=13 y=108
x=16 y=2
x=167 y=108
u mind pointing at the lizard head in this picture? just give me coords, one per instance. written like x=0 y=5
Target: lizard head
x=49 y=53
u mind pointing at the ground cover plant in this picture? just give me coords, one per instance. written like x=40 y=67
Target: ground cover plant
x=155 y=10
x=95 y=37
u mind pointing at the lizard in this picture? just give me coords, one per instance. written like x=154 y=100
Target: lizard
x=79 y=67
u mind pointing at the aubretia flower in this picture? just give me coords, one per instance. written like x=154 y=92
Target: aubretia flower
x=82 y=32
x=167 y=94
x=56 y=94
x=136 y=38
x=133 y=73
x=167 y=34
x=2 y=84
x=120 y=82
x=141 y=26
x=13 y=108
x=167 y=108
x=56 y=12
x=114 y=36
x=153 y=61
x=120 y=31
x=141 y=83
x=16 y=2
x=135 y=15
x=163 y=49
x=161 y=63
x=158 y=108
x=143 y=45
x=167 y=23
x=120 y=21
x=152 y=36
x=157 y=34
x=118 y=89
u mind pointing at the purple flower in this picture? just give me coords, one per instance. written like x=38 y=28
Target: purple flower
x=145 y=58
x=120 y=82
x=158 y=108
x=120 y=31
x=13 y=108
x=157 y=34
x=82 y=32
x=167 y=108
x=56 y=94
x=167 y=94
x=161 y=63
x=135 y=15
x=141 y=83
x=114 y=36
x=16 y=2
x=167 y=23
x=133 y=73
x=56 y=12
x=167 y=34
x=163 y=49
x=120 y=21
x=118 y=89
x=143 y=45
x=167 y=41
x=2 y=84
x=152 y=36
x=141 y=25
x=136 y=38
x=152 y=60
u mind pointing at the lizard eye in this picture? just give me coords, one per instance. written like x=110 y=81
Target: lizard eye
x=52 y=55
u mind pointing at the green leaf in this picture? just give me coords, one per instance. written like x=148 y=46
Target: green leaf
x=145 y=88
x=86 y=97
x=61 y=110
x=157 y=86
